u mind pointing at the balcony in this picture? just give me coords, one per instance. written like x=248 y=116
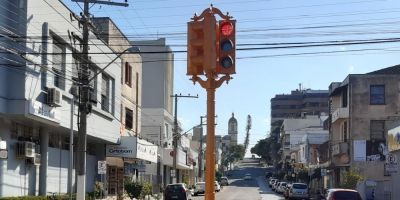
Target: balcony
x=340 y=148
x=340 y=113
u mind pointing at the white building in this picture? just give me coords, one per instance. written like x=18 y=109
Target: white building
x=35 y=97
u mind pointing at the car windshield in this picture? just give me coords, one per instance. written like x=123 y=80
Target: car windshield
x=299 y=186
x=346 y=195
x=176 y=187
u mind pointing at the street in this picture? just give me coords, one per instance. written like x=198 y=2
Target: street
x=240 y=189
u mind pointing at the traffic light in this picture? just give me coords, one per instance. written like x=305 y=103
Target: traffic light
x=201 y=54
x=226 y=46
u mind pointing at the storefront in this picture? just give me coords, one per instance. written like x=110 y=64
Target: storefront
x=129 y=159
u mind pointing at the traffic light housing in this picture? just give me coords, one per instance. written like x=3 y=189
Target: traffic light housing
x=226 y=47
x=201 y=52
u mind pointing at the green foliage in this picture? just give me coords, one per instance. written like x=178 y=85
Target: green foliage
x=133 y=189
x=147 y=189
x=98 y=189
x=302 y=175
x=235 y=152
x=280 y=175
x=351 y=179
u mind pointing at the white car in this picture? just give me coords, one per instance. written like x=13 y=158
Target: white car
x=217 y=186
x=199 y=188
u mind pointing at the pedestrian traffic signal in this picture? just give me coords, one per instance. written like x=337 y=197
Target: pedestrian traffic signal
x=226 y=46
x=201 y=54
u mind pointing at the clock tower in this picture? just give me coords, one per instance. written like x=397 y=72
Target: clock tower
x=232 y=129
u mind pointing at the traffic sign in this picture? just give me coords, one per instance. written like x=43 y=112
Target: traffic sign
x=101 y=167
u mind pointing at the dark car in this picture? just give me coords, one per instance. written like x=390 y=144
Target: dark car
x=343 y=194
x=177 y=191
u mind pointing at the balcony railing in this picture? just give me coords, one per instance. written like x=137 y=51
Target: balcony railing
x=340 y=113
x=340 y=148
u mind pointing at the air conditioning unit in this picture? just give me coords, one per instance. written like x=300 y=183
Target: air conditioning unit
x=25 y=150
x=54 y=97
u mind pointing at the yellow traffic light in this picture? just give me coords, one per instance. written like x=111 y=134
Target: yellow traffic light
x=201 y=54
x=226 y=45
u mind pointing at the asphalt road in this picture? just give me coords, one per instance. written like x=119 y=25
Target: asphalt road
x=240 y=189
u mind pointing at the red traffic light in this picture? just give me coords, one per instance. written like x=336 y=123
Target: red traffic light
x=226 y=28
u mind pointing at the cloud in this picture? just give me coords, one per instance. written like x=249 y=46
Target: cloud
x=343 y=48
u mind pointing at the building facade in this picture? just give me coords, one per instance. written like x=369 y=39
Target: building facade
x=363 y=108
x=36 y=97
x=297 y=104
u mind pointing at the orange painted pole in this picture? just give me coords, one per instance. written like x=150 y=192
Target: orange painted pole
x=210 y=150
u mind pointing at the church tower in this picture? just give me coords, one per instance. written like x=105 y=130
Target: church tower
x=232 y=129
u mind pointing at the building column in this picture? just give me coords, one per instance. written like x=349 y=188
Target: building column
x=44 y=143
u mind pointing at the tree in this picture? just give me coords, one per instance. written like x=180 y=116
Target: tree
x=351 y=179
x=133 y=189
x=235 y=153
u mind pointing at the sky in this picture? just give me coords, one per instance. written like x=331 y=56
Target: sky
x=264 y=72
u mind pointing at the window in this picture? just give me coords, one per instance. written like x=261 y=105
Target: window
x=377 y=128
x=128 y=118
x=75 y=68
x=128 y=74
x=344 y=98
x=59 y=64
x=377 y=140
x=344 y=132
x=377 y=94
x=93 y=86
x=105 y=93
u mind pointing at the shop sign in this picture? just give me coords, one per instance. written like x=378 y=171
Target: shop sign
x=43 y=111
x=132 y=148
x=101 y=167
x=147 y=151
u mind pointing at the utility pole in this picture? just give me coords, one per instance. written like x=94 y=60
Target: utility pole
x=176 y=136
x=84 y=107
x=201 y=149
x=71 y=150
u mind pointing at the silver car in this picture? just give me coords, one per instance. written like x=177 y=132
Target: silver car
x=299 y=191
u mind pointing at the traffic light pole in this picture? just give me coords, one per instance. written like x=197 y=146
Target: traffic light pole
x=211 y=84
x=211 y=52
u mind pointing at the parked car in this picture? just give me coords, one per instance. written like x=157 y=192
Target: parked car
x=224 y=181
x=217 y=187
x=177 y=191
x=275 y=185
x=343 y=194
x=298 y=191
x=272 y=181
x=247 y=177
x=199 y=188
x=281 y=188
